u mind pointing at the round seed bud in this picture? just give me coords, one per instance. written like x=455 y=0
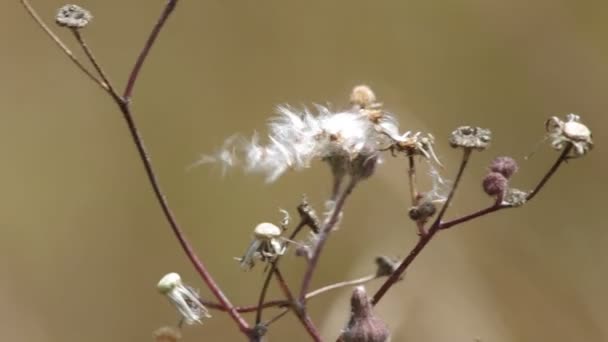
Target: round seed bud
x=506 y=166
x=362 y=96
x=495 y=184
x=422 y=211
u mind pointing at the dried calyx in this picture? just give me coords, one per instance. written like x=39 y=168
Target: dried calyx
x=471 y=137
x=73 y=16
x=364 y=325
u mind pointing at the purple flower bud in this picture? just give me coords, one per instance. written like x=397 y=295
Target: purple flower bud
x=495 y=184
x=506 y=166
x=363 y=325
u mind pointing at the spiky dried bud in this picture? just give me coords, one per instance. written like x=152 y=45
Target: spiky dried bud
x=167 y=334
x=362 y=97
x=471 y=137
x=515 y=197
x=495 y=184
x=364 y=325
x=309 y=215
x=423 y=211
x=73 y=16
x=386 y=266
x=506 y=166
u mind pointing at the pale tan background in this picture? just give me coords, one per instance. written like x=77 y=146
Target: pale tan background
x=83 y=242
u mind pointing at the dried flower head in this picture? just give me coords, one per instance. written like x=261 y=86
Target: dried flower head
x=495 y=184
x=183 y=297
x=506 y=166
x=471 y=137
x=363 y=97
x=267 y=245
x=364 y=325
x=73 y=16
x=386 y=266
x=422 y=211
x=571 y=131
x=515 y=197
x=350 y=141
x=167 y=334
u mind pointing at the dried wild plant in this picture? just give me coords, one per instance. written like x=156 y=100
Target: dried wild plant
x=352 y=142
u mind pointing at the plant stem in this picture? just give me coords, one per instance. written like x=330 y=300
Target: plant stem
x=425 y=238
x=322 y=239
x=123 y=105
x=96 y=65
x=499 y=206
x=169 y=7
x=341 y=284
x=62 y=45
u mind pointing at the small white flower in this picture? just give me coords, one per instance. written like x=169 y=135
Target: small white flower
x=267 y=245
x=183 y=297
x=572 y=131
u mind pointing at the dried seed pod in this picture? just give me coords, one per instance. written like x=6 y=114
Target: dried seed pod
x=471 y=137
x=495 y=184
x=423 y=211
x=73 y=16
x=364 y=325
x=506 y=166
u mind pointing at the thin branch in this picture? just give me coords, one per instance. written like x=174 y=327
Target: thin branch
x=285 y=303
x=273 y=266
x=143 y=154
x=322 y=238
x=499 y=206
x=169 y=7
x=277 y=317
x=62 y=45
x=562 y=158
x=96 y=65
x=424 y=239
x=411 y=176
x=299 y=310
x=274 y=270
x=341 y=284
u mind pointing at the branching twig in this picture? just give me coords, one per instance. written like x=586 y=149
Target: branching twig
x=123 y=105
x=61 y=45
x=169 y=7
x=322 y=238
x=85 y=47
x=425 y=238
x=498 y=206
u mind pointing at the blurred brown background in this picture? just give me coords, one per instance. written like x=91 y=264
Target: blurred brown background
x=84 y=242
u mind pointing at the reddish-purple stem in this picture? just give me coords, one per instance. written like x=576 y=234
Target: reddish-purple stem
x=169 y=7
x=439 y=225
x=424 y=238
x=145 y=158
x=299 y=310
x=322 y=239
